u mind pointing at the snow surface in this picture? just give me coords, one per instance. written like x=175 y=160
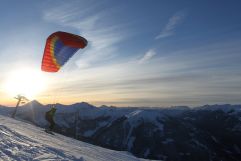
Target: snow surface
x=23 y=141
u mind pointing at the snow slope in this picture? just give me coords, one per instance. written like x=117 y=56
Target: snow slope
x=23 y=141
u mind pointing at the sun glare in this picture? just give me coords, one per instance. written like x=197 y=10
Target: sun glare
x=27 y=82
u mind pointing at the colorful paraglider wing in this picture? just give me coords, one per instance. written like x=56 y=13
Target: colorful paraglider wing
x=59 y=48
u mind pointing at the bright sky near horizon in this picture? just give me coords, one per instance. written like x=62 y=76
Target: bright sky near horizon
x=140 y=52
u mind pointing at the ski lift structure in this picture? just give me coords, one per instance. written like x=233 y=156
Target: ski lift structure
x=21 y=100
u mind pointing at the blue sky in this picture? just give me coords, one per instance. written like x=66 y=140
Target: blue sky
x=140 y=52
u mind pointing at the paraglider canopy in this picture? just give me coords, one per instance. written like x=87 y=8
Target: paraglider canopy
x=60 y=47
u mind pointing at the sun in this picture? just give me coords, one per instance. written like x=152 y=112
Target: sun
x=25 y=81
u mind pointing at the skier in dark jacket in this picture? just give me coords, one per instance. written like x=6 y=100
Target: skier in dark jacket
x=49 y=116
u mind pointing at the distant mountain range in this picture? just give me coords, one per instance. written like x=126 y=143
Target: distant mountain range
x=210 y=132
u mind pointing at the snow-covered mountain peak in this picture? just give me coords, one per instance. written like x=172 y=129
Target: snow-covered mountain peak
x=224 y=107
x=83 y=105
x=35 y=102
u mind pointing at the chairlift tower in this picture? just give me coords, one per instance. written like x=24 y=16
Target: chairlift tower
x=21 y=99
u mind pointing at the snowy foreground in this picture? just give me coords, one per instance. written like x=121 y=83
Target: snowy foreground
x=23 y=141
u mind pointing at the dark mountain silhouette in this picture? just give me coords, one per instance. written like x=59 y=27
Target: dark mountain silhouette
x=210 y=132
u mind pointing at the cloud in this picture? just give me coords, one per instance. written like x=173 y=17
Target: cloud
x=147 y=56
x=170 y=27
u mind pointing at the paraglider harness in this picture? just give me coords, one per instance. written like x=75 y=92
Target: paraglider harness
x=49 y=116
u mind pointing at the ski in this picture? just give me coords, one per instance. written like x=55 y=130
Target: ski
x=49 y=132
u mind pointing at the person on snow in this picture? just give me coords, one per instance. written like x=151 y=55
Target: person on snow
x=49 y=116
